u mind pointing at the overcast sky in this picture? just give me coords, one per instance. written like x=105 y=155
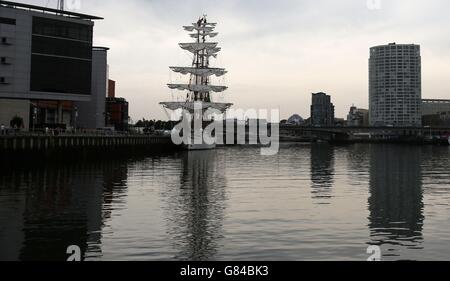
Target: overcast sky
x=277 y=52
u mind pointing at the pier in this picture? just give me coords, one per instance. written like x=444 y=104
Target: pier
x=29 y=143
x=48 y=142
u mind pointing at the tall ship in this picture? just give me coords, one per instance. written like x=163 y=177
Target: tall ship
x=199 y=88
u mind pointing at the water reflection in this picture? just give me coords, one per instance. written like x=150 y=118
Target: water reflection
x=47 y=208
x=322 y=171
x=231 y=204
x=197 y=206
x=396 y=197
x=358 y=163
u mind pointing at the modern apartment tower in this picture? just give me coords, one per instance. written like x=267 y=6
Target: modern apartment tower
x=322 y=110
x=395 y=85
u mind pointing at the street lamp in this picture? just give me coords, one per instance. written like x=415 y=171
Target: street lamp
x=429 y=127
x=35 y=111
x=76 y=117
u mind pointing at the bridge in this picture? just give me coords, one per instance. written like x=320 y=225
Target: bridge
x=348 y=133
x=342 y=130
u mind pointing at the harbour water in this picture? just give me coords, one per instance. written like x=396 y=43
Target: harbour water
x=309 y=202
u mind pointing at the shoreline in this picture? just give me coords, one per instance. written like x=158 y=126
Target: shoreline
x=49 y=143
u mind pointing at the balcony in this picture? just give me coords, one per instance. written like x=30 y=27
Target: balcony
x=6 y=60
x=5 y=80
x=7 y=41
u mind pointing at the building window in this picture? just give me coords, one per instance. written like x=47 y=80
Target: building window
x=60 y=75
x=61 y=60
x=62 y=29
x=61 y=47
x=7 y=21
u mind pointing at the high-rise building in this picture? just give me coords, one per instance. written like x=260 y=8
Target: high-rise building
x=322 y=110
x=395 y=85
x=46 y=64
x=358 y=117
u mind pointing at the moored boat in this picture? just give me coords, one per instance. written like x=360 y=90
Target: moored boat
x=200 y=90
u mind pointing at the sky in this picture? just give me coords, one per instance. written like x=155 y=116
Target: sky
x=277 y=52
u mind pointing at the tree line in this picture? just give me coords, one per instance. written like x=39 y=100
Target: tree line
x=155 y=124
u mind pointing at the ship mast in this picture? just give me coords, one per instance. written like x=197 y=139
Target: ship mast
x=199 y=87
x=61 y=5
x=201 y=62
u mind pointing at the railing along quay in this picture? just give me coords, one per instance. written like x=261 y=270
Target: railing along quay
x=37 y=142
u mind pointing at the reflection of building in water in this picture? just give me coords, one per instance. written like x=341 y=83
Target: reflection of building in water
x=55 y=206
x=114 y=185
x=12 y=206
x=196 y=209
x=322 y=170
x=396 y=199
x=358 y=162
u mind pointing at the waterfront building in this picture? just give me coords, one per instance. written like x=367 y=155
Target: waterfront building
x=339 y=122
x=358 y=117
x=434 y=106
x=436 y=112
x=395 y=87
x=46 y=69
x=91 y=115
x=439 y=119
x=116 y=109
x=295 y=120
x=322 y=110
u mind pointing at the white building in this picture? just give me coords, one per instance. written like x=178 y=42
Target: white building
x=395 y=85
x=47 y=66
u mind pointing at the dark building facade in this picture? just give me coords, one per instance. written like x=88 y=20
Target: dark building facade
x=61 y=60
x=440 y=119
x=46 y=64
x=116 y=109
x=117 y=113
x=322 y=110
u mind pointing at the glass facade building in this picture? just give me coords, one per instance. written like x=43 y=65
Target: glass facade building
x=61 y=60
x=47 y=67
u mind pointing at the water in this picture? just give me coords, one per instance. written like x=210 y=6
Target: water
x=310 y=202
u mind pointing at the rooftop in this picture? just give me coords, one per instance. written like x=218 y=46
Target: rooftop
x=16 y=5
x=435 y=101
x=395 y=45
